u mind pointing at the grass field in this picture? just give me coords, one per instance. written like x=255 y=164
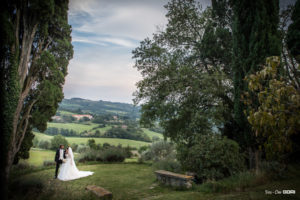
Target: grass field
x=81 y=140
x=151 y=133
x=38 y=156
x=78 y=127
x=133 y=181
x=73 y=126
x=64 y=112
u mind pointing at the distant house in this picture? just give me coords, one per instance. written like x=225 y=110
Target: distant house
x=78 y=117
x=115 y=117
x=56 y=118
x=124 y=126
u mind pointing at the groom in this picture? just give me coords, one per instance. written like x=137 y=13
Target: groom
x=59 y=156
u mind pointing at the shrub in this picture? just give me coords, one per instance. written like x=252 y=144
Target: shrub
x=273 y=169
x=235 y=183
x=82 y=148
x=92 y=144
x=168 y=165
x=159 y=151
x=113 y=155
x=211 y=157
x=145 y=156
x=127 y=152
x=163 y=156
x=47 y=163
x=35 y=142
x=74 y=147
x=143 y=148
x=44 y=144
x=90 y=155
x=58 y=140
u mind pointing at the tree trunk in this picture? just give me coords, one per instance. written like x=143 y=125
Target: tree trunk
x=257 y=161
x=18 y=129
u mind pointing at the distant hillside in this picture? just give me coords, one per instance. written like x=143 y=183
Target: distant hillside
x=78 y=105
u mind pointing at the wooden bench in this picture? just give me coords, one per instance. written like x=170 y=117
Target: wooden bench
x=102 y=193
x=173 y=179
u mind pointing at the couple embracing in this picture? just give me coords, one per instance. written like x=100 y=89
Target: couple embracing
x=68 y=170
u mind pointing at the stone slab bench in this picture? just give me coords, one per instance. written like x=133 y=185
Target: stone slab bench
x=102 y=193
x=174 y=179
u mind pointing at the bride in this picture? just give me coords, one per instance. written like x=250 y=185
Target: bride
x=69 y=170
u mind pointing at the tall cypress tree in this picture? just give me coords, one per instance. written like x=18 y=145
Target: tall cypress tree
x=35 y=49
x=255 y=37
x=293 y=34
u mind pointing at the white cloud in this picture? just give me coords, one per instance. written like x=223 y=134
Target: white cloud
x=131 y=19
x=104 y=34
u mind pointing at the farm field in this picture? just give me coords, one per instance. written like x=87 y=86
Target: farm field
x=83 y=140
x=78 y=127
x=152 y=133
x=73 y=126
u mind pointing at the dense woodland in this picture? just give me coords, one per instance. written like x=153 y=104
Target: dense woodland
x=222 y=82
x=234 y=66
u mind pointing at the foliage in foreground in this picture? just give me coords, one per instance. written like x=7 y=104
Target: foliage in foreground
x=58 y=140
x=162 y=154
x=137 y=181
x=212 y=157
x=109 y=154
x=277 y=115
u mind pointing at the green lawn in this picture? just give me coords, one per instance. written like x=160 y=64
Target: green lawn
x=63 y=112
x=80 y=140
x=38 y=156
x=131 y=181
x=152 y=133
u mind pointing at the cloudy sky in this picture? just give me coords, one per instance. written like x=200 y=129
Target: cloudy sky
x=104 y=34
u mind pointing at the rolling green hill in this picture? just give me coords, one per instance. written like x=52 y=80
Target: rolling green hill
x=80 y=140
x=78 y=105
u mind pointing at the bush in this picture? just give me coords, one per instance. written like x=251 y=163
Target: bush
x=143 y=148
x=44 y=144
x=235 y=183
x=168 y=165
x=163 y=156
x=74 y=147
x=273 y=169
x=35 y=142
x=92 y=144
x=127 y=151
x=90 y=155
x=82 y=148
x=145 y=156
x=159 y=151
x=47 y=163
x=58 y=140
x=111 y=154
x=211 y=157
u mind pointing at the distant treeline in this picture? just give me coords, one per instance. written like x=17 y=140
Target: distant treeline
x=78 y=105
x=131 y=133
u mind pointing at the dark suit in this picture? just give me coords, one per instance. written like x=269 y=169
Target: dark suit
x=58 y=161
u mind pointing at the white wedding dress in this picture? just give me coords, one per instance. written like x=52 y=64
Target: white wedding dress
x=69 y=171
